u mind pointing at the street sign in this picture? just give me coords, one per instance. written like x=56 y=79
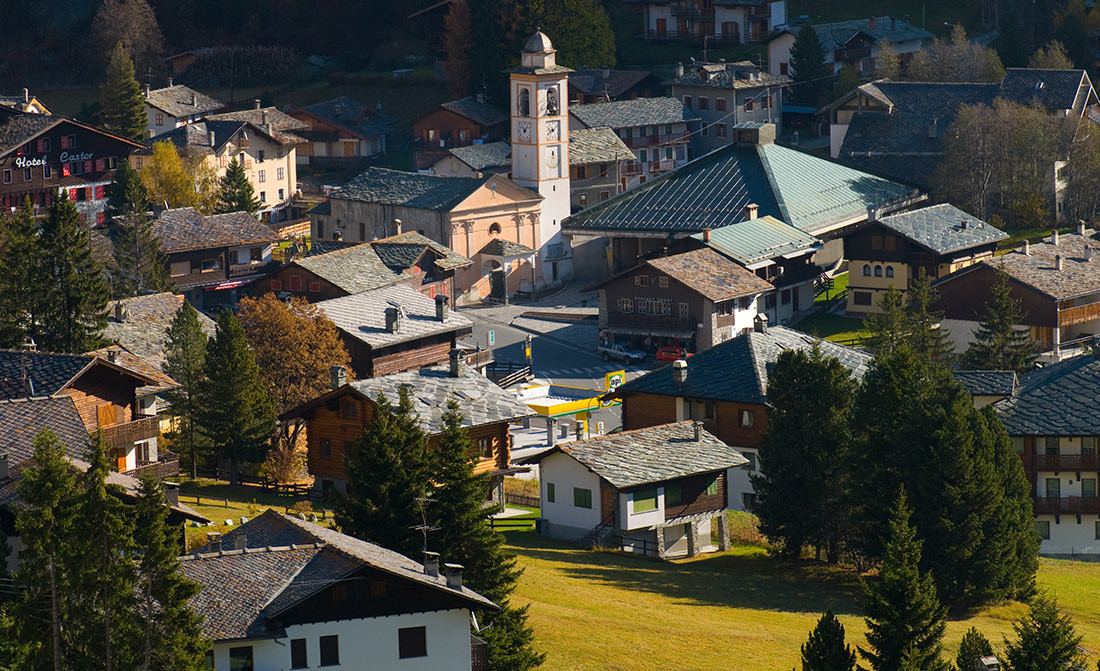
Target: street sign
x=492 y=338
x=599 y=428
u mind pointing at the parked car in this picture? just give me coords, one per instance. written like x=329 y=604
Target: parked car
x=621 y=353
x=672 y=353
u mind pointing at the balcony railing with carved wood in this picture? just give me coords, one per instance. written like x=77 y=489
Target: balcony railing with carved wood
x=635 y=320
x=168 y=466
x=1066 y=504
x=1061 y=462
x=128 y=433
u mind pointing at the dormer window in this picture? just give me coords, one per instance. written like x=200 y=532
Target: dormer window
x=552 y=101
x=524 y=102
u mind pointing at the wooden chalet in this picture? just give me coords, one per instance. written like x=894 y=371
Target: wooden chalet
x=458 y=123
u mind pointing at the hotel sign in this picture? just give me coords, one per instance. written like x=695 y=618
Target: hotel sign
x=28 y=162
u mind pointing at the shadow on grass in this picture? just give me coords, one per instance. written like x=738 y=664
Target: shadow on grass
x=744 y=577
x=217 y=491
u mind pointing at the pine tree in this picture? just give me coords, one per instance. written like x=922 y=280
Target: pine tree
x=1046 y=640
x=127 y=194
x=123 y=104
x=235 y=192
x=234 y=413
x=1011 y=43
x=185 y=362
x=142 y=266
x=922 y=325
x=826 y=650
x=999 y=342
x=20 y=278
x=901 y=606
x=887 y=328
x=972 y=646
x=1052 y=56
x=510 y=640
x=887 y=63
x=73 y=291
x=104 y=631
x=388 y=471
x=43 y=581
x=580 y=30
x=171 y=632
x=800 y=492
x=1014 y=524
x=808 y=70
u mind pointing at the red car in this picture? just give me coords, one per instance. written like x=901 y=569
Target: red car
x=672 y=353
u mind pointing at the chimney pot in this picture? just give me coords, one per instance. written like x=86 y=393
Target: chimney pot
x=457 y=359
x=147 y=87
x=872 y=213
x=393 y=320
x=454 y=575
x=112 y=355
x=169 y=82
x=441 y=308
x=172 y=493
x=27 y=96
x=256 y=103
x=1027 y=248
x=1054 y=238
x=1088 y=253
x=751 y=210
x=213 y=537
x=1080 y=227
x=263 y=117
x=194 y=100
x=210 y=133
x=706 y=235
x=698 y=426
x=397 y=227
x=431 y=564
x=122 y=313
x=4 y=466
x=337 y=376
x=1058 y=262
x=872 y=23
x=760 y=323
x=680 y=371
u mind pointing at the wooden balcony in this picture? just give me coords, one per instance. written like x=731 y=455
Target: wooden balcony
x=635 y=320
x=126 y=434
x=1066 y=504
x=165 y=468
x=661 y=165
x=690 y=11
x=1061 y=462
x=631 y=168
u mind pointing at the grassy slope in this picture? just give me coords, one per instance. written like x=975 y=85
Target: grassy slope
x=741 y=607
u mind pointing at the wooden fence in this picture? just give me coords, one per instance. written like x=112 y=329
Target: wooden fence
x=522 y=500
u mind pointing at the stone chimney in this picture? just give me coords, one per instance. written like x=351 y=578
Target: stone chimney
x=872 y=213
x=122 y=312
x=1058 y=262
x=398 y=226
x=147 y=87
x=606 y=71
x=679 y=372
x=1054 y=238
x=263 y=117
x=27 y=96
x=5 y=469
x=256 y=103
x=441 y=308
x=172 y=493
x=235 y=541
x=1080 y=227
x=1088 y=253
x=194 y=100
x=680 y=69
x=751 y=210
x=698 y=426
x=431 y=564
x=760 y=323
x=706 y=235
x=210 y=134
x=872 y=23
x=337 y=377
x=213 y=537
x=454 y=575
x=112 y=355
x=169 y=82
x=457 y=360
x=1027 y=248
x=393 y=320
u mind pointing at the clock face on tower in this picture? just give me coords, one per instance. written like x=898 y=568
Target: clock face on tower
x=553 y=130
x=524 y=130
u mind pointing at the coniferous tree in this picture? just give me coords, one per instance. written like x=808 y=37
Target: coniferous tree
x=185 y=362
x=808 y=70
x=73 y=291
x=826 y=649
x=580 y=30
x=972 y=646
x=142 y=266
x=511 y=640
x=922 y=324
x=123 y=104
x=999 y=342
x=1052 y=56
x=20 y=278
x=1046 y=640
x=235 y=193
x=887 y=327
x=1011 y=43
x=171 y=636
x=388 y=469
x=127 y=193
x=234 y=414
x=458 y=41
x=1014 y=525
x=104 y=632
x=801 y=498
x=887 y=64
x=904 y=618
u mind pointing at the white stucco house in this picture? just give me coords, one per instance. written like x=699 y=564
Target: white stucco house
x=176 y=105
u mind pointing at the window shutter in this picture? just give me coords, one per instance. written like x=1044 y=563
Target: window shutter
x=64 y=141
x=89 y=166
x=100 y=191
x=41 y=145
x=72 y=195
x=99 y=165
x=100 y=217
x=65 y=171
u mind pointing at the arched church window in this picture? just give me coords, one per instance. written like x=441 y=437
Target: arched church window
x=494 y=228
x=878 y=271
x=524 y=102
x=552 y=101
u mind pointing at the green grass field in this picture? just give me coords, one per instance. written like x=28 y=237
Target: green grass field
x=834 y=328
x=740 y=610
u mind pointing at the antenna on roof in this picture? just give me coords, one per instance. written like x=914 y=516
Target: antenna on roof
x=424 y=528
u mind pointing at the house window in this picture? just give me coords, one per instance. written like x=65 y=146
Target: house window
x=494 y=228
x=209 y=660
x=582 y=498
x=748 y=419
x=705 y=130
x=785 y=297
x=784 y=68
x=1088 y=488
x=643 y=156
x=582 y=198
x=260 y=157
x=7 y=177
x=263 y=176
x=712 y=488
x=721 y=130
x=44 y=144
x=751 y=456
x=625 y=305
x=699 y=409
x=524 y=102
x=209 y=265
x=263 y=196
x=641 y=280
x=645 y=500
x=1042 y=527
x=719 y=104
x=889 y=271
x=295 y=282
x=26 y=174
x=552 y=101
x=687 y=102
x=769 y=301
x=160 y=119
x=351 y=409
x=326 y=447
x=280 y=173
x=412 y=642
x=485 y=447
x=878 y=271
x=179 y=268
x=314 y=287
x=674 y=494
x=330 y=650
x=704 y=103
x=1051 y=444
x=276 y=285
x=685 y=310
x=764 y=102
x=748 y=105
x=298 y=657
x=280 y=195
x=1088 y=445
x=861 y=297
x=748 y=501
x=240 y=659
x=551 y=495
x=662 y=281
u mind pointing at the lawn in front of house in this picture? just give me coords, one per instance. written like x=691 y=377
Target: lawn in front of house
x=835 y=328
x=840 y=284
x=739 y=610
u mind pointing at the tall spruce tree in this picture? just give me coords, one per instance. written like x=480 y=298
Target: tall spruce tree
x=73 y=291
x=972 y=646
x=127 y=193
x=104 y=633
x=235 y=193
x=388 y=471
x=800 y=492
x=922 y=324
x=171 y=632
x=21 y=279
x=142 y=266
x=809 y=73
x=999 y=341
x=888 y=327
x=234 y=414
x=1046 y=640
x=185 y=362
x=511 y=640
x=1014 y=525
x=120 y=94
x=826 y=649
x=44 y=579
x=904 y=618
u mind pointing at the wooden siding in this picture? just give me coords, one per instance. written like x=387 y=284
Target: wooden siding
x=964 y=295
x=103 y=393
x=642 y=410
x=1070 y=315
x=695 y=498
x=328 y=289
x=196 y=256
x=411 y=355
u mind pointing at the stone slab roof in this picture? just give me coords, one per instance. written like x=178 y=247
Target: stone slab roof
x=943 y=228
x=22 y=419
x=630 y=113
x=480 y=113
x=177 y=101
x=1037 y=269
x=184 y=229
x=486 y=155
x=408 y=189
x=1051 y=89
x=711 y=274
x=482 y=401
x=363 y=316
x=834 y=36
x=591 y=81
x=1057 y=400
x=737 y=370
x=737 y=75
x=279 y=120
x=353 y=269
x=597 y=145
x=650 y=456
x=755 y=240
x=144 y=331
x=405 y=249
x=502 y=247
x=988 y=382
x=352 y=115
x=46 y=373
x=19 y=129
